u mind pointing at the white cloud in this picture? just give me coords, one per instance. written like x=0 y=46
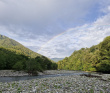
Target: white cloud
x=43 y=13
x=78 y=37
x=34 y=22
x=41 y=18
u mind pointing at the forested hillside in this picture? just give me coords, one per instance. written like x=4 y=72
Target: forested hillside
x=13 y=45
x=95 y=58
x=11 y=60
x=15 y=56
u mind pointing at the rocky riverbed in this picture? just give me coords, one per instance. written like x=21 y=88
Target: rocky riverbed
x=22 y=73
x=93 y=83
x=4 y=73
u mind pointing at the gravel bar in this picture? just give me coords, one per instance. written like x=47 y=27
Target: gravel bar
x=62 y=84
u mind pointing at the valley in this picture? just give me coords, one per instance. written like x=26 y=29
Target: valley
x=54 y=46
x=21 y=72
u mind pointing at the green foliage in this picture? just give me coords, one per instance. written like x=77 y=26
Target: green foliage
x=32 y=66
x=18 y=66
x=95 y=58
x=13 y=45
x=15 y=56
x=11 y=60
x=46 y=63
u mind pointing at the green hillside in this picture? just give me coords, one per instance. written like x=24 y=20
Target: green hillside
x=11 y=60
x=15 y=56
x=95 y=58
x=13 y=45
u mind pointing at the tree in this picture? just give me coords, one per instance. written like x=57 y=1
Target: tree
x=18 y=66
x=95 y=58
x=32 y=66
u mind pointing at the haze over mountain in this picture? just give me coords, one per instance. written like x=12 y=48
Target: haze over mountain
x=56 y=59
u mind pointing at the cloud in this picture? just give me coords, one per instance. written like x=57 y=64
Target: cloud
x=35 y=22
x=43 y=16
x=76 y=38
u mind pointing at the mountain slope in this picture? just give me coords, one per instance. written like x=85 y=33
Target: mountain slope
x=13 y=55
x=13 y=45
x=95 y=58
x=9 y=60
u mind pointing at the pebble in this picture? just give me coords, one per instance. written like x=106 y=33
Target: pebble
x=62 y=84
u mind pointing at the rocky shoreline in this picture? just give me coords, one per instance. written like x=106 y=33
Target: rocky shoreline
x=7 y=73
x=93 y=83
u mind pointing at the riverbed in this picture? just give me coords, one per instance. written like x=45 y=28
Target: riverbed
x=10 y=75
x=19 y=78
x=76 y=83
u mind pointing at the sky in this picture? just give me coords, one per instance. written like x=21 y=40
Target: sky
x=55 y=28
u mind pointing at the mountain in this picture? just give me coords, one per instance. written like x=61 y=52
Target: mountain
x=13 y=45
x=9 y=60
x=95 y=58
x=15 y=56
x=56 y=59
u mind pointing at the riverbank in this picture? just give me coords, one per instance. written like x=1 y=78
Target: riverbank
x=51 y=72
x=93 y=83
x=7 y=73
x=63 y=84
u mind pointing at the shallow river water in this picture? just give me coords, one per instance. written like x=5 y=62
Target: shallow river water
x=18 y=78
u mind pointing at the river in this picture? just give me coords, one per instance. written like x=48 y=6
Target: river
x=18 y=78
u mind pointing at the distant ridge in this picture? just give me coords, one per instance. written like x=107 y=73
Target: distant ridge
x=57 y=59
x=13 y=45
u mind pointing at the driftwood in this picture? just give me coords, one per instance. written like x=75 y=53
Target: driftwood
x=94 y=76
x=91 y=76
